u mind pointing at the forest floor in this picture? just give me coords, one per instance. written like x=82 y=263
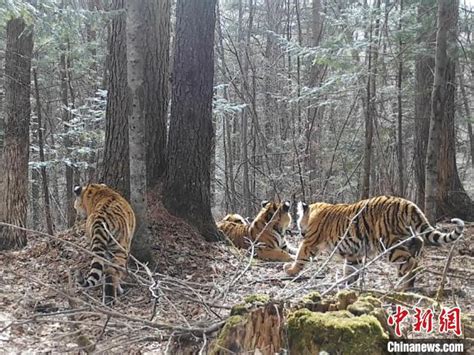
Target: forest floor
x=197 y=283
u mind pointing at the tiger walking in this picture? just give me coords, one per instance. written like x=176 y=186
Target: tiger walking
x=366 y=227
x=110 y=224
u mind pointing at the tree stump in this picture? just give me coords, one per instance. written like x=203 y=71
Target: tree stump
x=345 y=323
x=258 y=330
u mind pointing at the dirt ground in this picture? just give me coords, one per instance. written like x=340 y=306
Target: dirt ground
x=194 y=286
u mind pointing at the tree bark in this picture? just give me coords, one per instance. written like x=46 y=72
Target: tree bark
x=467 y=110
x=116 y=168
x=137 y=72
x=44 y=176
x=401 y=180
x=370 y=111
x=424 y=69
x=156 y=56
x=63 y=73
x=187 y=186
x=14 y=200
x=444 y=193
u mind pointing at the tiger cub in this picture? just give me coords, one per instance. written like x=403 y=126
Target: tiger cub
x=377 y=224
x=267 y=231
x=110 y=224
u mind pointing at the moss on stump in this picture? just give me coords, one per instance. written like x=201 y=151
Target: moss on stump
x=334 y=332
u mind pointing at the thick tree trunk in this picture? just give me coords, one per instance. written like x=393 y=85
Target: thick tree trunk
x=424 y=69
x=116 y=168
x=14 y=200
x=137 y=72
x=444 y=193
x=156 y=17
x=187 y=187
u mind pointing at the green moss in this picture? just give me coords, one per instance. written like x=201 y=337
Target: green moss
x=345 y=298
x=360 y=307
x=257 y=298
x=371 y=299
x=312 y=297
x=342 y=314
x=239 y=309
x=229 y=325
x=334 y=332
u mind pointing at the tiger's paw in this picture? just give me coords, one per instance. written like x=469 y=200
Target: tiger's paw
x=290 y=269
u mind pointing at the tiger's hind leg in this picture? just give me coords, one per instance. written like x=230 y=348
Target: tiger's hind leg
x=351 y=265
x=406 y=258
x=113 y=276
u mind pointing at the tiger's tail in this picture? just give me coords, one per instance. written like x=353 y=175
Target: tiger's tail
x=434 y=237
x=99 y=247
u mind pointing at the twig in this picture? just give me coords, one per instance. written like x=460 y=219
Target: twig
x=439 y=293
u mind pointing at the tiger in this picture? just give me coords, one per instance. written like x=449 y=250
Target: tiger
x=236 y=218
x=267 y=231
x=110 y=225
x=365 y=228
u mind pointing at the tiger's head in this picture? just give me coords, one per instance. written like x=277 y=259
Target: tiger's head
x=303 y=217
x=277 y=213
x=87 y=197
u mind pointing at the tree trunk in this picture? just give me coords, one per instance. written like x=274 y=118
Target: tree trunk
x=229 y=196
x=370 y=111
x=156 y=56
x=444 y=193
x=138 y=83
x=187 y=187
x=244 y=48
x=312 y=157
x=424 y=69
x=115 y=168
x=63 y=73
x=14 y=200
x=44 y=176
x=467 y=110
x=401 y=180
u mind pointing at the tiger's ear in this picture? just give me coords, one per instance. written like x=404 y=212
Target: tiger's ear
x=302 y=208
x=286 y=206
x=77 y=190
x=264 y=203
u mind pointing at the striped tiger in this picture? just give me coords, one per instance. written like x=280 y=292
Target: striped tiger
x=267 y=231
x=236 y=218
x=365 y=228
x=110 y=224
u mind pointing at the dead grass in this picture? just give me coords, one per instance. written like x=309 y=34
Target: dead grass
x=196 y=285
